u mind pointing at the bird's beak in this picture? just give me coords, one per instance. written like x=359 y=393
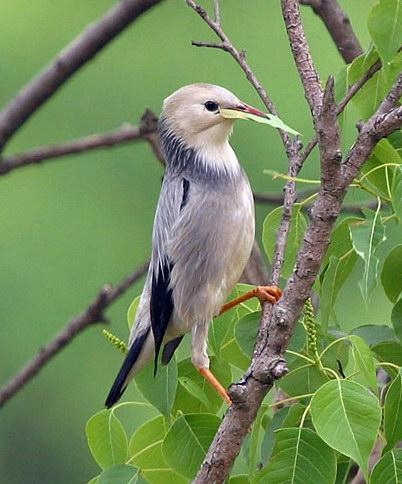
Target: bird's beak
x=243 y=111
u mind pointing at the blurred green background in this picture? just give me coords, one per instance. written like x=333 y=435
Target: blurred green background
x=71 y=225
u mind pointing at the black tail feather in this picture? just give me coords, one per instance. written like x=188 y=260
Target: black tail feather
x=120 y=382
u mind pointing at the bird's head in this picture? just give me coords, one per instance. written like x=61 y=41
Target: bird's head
x=204 y=114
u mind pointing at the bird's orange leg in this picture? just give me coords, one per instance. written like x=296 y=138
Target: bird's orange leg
x=210 y=377
x=271 y=294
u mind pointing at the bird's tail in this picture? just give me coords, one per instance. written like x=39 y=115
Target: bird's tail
x=130 y=366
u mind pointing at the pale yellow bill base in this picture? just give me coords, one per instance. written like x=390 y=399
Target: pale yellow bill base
x=270 y=119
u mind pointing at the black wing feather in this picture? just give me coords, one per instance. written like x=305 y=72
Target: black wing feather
x=120 y=384
x=170 y=348
x=161 y=306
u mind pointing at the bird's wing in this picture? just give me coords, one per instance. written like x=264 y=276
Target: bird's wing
x=173 y=198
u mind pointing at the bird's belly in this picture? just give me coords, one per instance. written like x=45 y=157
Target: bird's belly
x=215 y=264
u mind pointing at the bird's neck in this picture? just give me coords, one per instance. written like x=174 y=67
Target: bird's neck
x=209 y=156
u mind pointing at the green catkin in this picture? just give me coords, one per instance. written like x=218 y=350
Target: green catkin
x=311 y=326
x=117 y=342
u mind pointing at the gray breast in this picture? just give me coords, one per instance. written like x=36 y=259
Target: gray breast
x=215 y=233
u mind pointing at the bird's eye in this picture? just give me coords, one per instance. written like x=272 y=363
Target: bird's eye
x=211 y=106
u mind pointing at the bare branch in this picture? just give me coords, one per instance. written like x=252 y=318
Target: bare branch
x=240 y=58
x=392 y=99
x=352 y=91
x=146 y=131
x=93 y=314
x=74 y=56
x=301 y=54
x=339 y=27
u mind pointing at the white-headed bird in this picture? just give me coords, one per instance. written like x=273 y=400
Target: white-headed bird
x=202 y=236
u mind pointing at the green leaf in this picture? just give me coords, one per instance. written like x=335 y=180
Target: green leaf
x=388 y=469
x=160 y=390
x=385 y=27
x=341 y=242
x=94 y=480
x=221 y=331
x=298 y=226
x=186 y=402
x=391 y=275
x=334 y=277
x=363 y=362
x=107 y=439
x=145 y=450
x=252 y=445
x=338 y=352
x=341 y=88
x=132 y=311
x=396 y=319
x=239 y=479
x=194 y=390
x=375 y=333
x=269 y=119
x=389 y=351
x=377 y=172
x=188 y=440
x=396 y=192
x=302 y=380
x=366 y=237
x=120 y=474
x=299 y=456
x=284 y=417
x=246 y=330
x=336 y=412
x=393 y=412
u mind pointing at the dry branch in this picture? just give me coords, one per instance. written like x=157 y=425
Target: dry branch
x=79 y=52
x=339 y=27
x=146 y=131
x=94 y=313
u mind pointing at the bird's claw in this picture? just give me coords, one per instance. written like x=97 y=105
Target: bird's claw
x=270 y=294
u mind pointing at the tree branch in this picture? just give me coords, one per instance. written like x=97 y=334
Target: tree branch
x=339 y=27
x=268 y=361
x=74 y=56
x=93 y=314
x=240 y=58
x=146 y=131
x=301 y=54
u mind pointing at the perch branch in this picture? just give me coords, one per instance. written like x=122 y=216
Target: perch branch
x=75 y=55
x=269 y=364
x=94 y=313
x=338 y=25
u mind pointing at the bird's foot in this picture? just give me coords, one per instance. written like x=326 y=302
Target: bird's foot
x=211 y=378
x=271 y=294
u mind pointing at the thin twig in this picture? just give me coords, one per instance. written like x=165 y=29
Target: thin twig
x=75 y=55
x=339 y=27
x=94 y=313
x=239 y=57
x=127 y=133
x=352 y=91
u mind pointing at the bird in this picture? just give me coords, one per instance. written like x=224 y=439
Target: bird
x=202 y=236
